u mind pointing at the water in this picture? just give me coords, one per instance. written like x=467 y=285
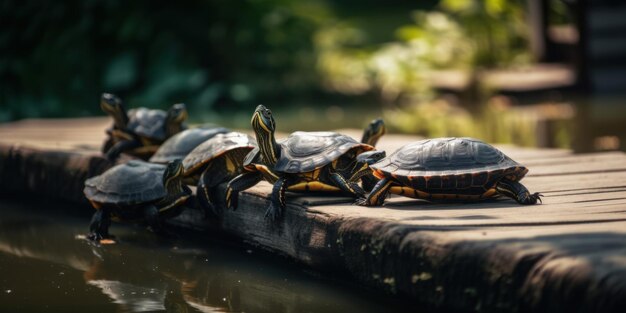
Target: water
x=44 y=268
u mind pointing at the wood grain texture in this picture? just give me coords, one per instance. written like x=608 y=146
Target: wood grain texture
x=567 y=255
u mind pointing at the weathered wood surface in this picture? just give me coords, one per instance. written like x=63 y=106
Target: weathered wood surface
x=568 y=254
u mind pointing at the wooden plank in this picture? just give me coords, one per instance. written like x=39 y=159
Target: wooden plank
x=576 y=182
x=564 y=255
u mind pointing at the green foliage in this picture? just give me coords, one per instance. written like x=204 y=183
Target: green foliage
x=498 y=29
x=58 y=56
x=220 y=57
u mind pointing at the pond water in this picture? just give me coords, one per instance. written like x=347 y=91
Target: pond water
x=45 y=268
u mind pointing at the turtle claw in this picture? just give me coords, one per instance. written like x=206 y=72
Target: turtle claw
x=362 y=201
x=537 y=197
x=530 y=198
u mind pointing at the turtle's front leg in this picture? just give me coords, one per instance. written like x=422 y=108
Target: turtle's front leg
x=278 y=203
x=517 y=192
x=106 y=146
x=121 y=146
x=151 y=215
x=99 y=226
x=378 y=195
x=239 y=183
x=350 y=187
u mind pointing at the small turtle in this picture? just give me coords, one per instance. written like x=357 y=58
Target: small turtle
x=305 y=161
x=215 y=161
x=449 y=168
x=371 y=135
x=136 y=190
x=373 y=132
x=140 y=131
x=179 y=145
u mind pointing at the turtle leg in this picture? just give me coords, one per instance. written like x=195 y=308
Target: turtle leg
x=239 y=183
x=120 y=147
x=151 y=215
x=350 y=187
x=278 y=203
x=366 y=176
x=99 y=226
x=517 y=192
x=207 y=191
x=378 y=194
x=106 y=146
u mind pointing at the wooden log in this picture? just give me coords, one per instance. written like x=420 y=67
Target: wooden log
x=55 y=174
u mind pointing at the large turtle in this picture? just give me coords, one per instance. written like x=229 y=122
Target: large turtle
x=140 y=131
x=316 y=161
x=449 y=168
x=179 y=145
x=217 y=160
x=133 y=191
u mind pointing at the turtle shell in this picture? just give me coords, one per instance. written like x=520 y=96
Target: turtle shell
x=147 y=123
x=131 y=183
x=449 y=157
x=214 y=147
x=179 y=145
x=304 y=152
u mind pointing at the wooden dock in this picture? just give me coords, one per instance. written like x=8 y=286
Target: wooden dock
x=566 y=255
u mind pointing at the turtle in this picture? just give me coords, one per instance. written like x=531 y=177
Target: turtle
x=449 y=168
x=179 y=145
x=372 y=133
x=305 y=161
x=140 y=131
x=215 y=161
x=134 y=191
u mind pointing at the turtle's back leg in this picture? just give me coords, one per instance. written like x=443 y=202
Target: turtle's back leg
x=207 y=191
x=99 y=226
x=517 y=192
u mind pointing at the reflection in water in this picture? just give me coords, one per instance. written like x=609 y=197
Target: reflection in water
x=148 y=275
x=135 y=298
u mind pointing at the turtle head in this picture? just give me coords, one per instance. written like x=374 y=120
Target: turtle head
x=176 y=116
x=172 y=177
x=264 y=127
x=177 y=113
x=112 y=105
x=371 y=157
x=262 y=120
x=373 y=132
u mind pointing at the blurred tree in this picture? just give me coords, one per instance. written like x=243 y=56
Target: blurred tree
x=497 y=27
x=56 y=57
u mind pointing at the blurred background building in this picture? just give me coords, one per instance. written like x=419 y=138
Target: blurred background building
x=537 y=72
